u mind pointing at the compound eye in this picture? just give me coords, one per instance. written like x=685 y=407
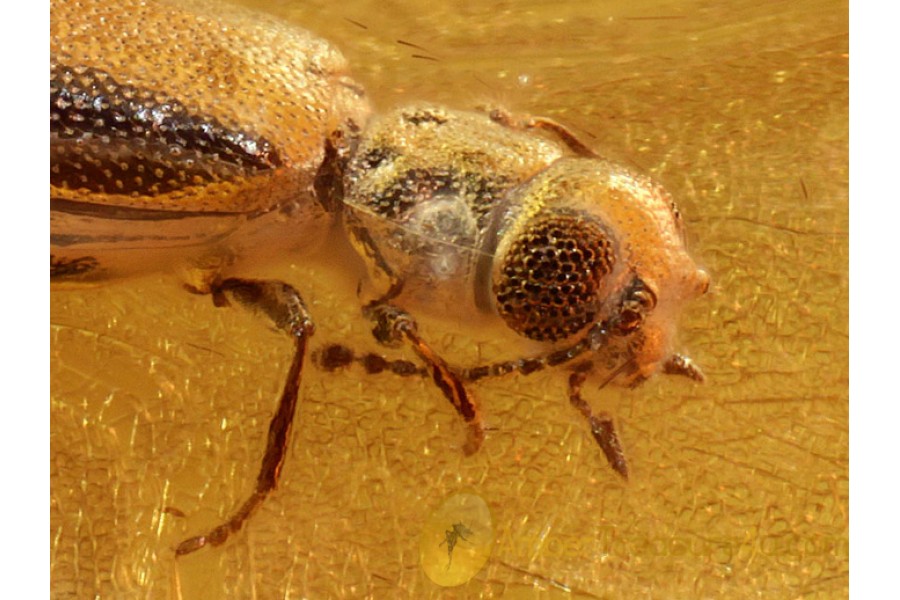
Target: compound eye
x=548 y=285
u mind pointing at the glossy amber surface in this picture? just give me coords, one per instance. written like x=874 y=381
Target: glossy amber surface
x=740 y=486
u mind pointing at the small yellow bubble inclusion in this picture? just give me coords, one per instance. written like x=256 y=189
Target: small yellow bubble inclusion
x=457 y=540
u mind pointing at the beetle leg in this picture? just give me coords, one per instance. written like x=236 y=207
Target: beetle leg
x=284 y=306
x=336 y=356
x=394 y=325
x=73 y=269
x=601 y=425
x=564 y=134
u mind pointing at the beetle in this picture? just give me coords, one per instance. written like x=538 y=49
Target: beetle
x=226 y=135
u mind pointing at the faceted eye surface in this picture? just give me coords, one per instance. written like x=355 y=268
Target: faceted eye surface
x=547 y=287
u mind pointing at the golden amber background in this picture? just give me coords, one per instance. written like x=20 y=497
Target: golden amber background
x=739 y=486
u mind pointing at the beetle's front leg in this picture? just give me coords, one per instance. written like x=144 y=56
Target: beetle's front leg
x=393 y=325
x=284 y=306
x=601 y=425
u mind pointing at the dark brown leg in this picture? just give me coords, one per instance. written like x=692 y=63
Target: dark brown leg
x=601 y=426
x=336 y=356
x=283 y=304
x=73 y=269
x=392 y=325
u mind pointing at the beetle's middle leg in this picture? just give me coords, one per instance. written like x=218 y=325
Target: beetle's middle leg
x=394 y=325
x=282 y=304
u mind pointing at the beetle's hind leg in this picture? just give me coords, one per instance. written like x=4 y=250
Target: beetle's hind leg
x=284 y=306
x=80 y=268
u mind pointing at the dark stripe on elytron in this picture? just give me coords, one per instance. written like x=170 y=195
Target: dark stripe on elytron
x=125 y=213
x=89 y=100
x=118 y=124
